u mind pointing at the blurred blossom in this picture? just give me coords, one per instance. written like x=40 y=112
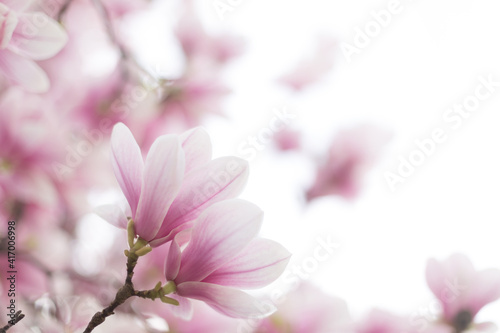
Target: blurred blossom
x=380 y=321
x=30 y=145
x=351 y=155
x=462 y=290
x=27 y=37
x=200 y=89
x=192 y=97
x=201 y=47
x=312 y=69
x=288 y=139
x=308 y=310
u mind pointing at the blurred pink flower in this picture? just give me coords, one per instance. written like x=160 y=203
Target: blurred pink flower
x=25 y=37
x=193 y=96
x=223 y=254
x=288 y=139
x=351 y=155
x=461 y=289
x=201 y=47
x=312 y=69
x=176 y=182
x=31 y=282
x=379 y=321
x=308 y=310
x=31 y=142
x=120 y=8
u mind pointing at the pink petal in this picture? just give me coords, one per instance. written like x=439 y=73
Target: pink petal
x=173 y=261
x=259 y=264
x=485 y=289
x=228 y=301
x=197 y=147
x=112 y=214
x=162 y=178
x=457 y=270
x=220 y=233
x=23 y=72
x=160 y=241
x=486 y=327
x=127 y=162
x=221 y=179
x=8 y=23
x=38 y=36
x=185 y=308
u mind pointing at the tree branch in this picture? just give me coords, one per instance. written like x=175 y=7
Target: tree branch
x=17 y=318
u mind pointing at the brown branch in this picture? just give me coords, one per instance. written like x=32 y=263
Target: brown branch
x=17 y=318
x=122 y=295
x=63 y=10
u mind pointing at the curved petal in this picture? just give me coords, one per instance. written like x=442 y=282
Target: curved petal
x=127 y=162
x=485 y=289
x=8 y=23
x=197 y=147
x=23 y=72
x=173 y=262
x=162 y=178
x=488 y=327
x=259 y=264
x=38 y=36
x=228 y=301
x=449 y=281
x=220 y=179
x=185 y=308
x=220 y=233
x=160 y=241
x=112 y=214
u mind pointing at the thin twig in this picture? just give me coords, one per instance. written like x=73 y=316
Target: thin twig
x=17 y=318
x=63 y=10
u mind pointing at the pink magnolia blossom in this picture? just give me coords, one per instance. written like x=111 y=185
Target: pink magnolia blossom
x=175 y=183
x=223 y=254
x=351 y=155
x=462 y=290
x=24 y=38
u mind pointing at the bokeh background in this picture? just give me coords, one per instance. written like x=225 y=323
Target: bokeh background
x=428 y=58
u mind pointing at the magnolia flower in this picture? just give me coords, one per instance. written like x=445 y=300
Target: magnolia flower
x=25 y=37
x=176 y=182
x=462 y=290
x=223 y=254
x=351 y=155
